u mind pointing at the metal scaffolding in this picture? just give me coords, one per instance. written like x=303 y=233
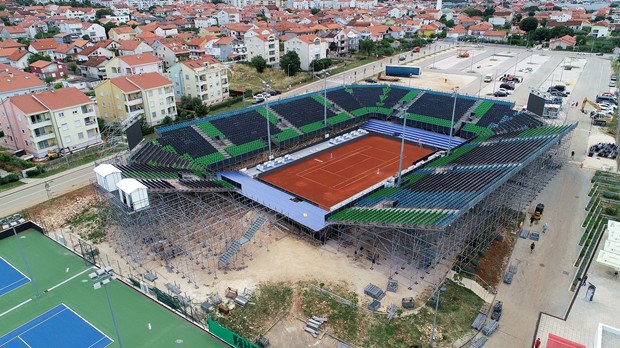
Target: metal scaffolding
x=422 y=257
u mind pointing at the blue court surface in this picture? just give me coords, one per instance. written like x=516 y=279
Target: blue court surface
x=56 y=328
x=11 y=278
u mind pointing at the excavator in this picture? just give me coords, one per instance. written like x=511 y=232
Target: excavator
x=591 y=103
x=598 y=118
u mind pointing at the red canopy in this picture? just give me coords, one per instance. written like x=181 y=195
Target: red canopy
x=554 y=341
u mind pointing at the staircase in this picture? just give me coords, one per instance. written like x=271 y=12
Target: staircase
x=213 y=143
x=237 y=244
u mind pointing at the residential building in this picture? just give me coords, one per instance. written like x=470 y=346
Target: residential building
x=204 y=78
x=15 y=82
x=19 y=59
x=308 y=48
x=495 y=35
x=600 y=29
x=150 y=95
x=62 y=119
x=94 y=67
x=44 y=46
x=44 y=69
x=130 y=47
x=13 y=33
x=133 y=65
x=171 y=52
x=564 y=42
x=122 y=33
x=95 y=31
x=266 y=46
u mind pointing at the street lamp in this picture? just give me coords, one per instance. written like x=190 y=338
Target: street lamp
x=288 y=71
x=439 y=291
x=101 y=278
x=21 y=249
x=516 y=63
x=456 y=95
x=402 y=143
x=266 y=88
x=325 y=75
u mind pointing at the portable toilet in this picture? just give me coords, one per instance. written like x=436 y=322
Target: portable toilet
x=133 y=194
x=108 y=176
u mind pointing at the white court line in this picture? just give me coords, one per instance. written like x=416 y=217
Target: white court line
x=17 y=281
x=87 y=322
x=40 y=322
x=13 y=267
x=14 y=308
x=21 y=339
x=318 y=160
x=70 y=279
x=99 y=340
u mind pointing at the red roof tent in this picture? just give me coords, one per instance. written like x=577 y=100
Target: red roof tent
x=554 y=341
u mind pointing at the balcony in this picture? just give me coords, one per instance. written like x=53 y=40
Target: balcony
x=43 y=133
x=133 y=99
x=168 y=90
x=90 y=121
x=40 y=120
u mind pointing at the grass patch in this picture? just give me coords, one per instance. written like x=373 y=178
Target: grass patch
x=89 y=224
x=270 y=302
x=11 y=185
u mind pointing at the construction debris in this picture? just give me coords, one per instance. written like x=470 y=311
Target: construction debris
x=313 y=325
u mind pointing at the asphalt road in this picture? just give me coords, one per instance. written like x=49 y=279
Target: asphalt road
x=40 y=190
x=544 y=276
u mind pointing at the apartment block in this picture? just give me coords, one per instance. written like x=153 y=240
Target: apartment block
x=150 y=95
x=62 y=119
x=266 y=46
x=203 y=78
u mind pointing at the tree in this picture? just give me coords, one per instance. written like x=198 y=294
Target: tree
x=488 y=12
x=49 y=79
x=599 y=18
x=320 y=64
x=367 y=46
x=529 y=24
x=315 y=11
x=560 y=31
x=73 y=67
x=86 y=37
x=259 y=63
x=531 y=14
x=38 y=56
x=104 y=12
x=472 y=12
x=518 y=17
x=58 y=85
x=290 y=63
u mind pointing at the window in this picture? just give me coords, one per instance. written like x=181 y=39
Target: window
x=160 y=91
x=154 y=114
x=61 y=114
x=80 y=135
x=152 y=103
x=67 y=139
x=117 y=96
x=23 y=132
x=76 y=123
x=150 y=93
x=84 y=109
x=75 y=111
x=64 y=126
x=163 y=111
x=26 y=142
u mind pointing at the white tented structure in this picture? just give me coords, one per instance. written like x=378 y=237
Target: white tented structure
x=133 y=194
x=108 y=176
x=610 y=255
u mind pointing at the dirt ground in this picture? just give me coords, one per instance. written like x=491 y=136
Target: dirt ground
x=495 y=261
x=53 y=214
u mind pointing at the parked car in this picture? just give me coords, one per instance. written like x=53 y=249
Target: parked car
x=258 y=100
x=600 y=54
x=506 y=85
x=402 y=58
x=370 y=80
x=556 y=93
x=507 y=91
x=612 y=83
x=613 y=77
x=500 y=94
x=275 y=92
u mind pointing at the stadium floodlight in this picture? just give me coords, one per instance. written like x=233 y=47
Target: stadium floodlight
x=325 y=75
x=21 y=249
x=439 y=291
x=266 y=88
x=101 y=278
x=456 y=95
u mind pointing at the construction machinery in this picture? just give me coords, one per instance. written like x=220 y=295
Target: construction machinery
x=53 y=154
x=462 y=53
x=538 y=212
x=508 y=77
x=591 y=103
x=601 y=119
x=381 y=77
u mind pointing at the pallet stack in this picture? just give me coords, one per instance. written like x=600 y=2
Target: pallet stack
x=313 y=325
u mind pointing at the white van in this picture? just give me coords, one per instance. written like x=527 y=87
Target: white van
x=488 y=78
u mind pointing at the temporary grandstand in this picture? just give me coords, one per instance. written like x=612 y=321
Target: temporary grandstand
x=208 y=179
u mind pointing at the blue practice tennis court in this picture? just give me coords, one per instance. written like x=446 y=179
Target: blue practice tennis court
x=60 y=327
x=11 y=278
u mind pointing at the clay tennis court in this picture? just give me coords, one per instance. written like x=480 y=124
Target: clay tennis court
x=336 y=174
